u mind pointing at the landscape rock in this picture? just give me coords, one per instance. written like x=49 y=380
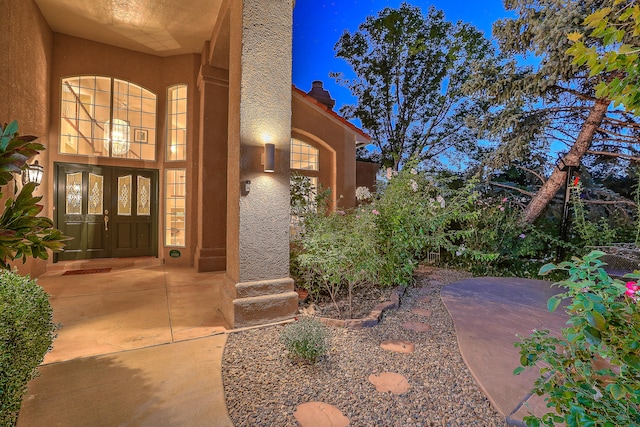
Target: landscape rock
x=421 y=312
x=319 y=414
x=389 y=381
x=416 y=326
x=398 y=346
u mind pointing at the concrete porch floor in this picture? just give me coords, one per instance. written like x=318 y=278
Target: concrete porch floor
x=138 y=345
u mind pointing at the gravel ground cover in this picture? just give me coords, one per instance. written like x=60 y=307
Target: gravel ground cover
x=263 y=386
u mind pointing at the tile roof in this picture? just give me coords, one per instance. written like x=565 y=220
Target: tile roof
x=332 y=114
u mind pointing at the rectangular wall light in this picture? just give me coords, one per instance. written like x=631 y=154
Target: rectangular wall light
x=269 y=157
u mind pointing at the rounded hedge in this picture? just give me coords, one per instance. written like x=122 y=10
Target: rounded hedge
x=26 y=333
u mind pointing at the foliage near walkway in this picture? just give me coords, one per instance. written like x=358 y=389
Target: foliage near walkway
x=26 y=333
x=591 y=374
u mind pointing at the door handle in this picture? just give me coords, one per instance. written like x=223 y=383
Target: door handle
x=106 y=220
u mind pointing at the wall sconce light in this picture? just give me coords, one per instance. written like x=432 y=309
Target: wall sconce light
x=32 y=173
x=269 y=157
x=245 y=187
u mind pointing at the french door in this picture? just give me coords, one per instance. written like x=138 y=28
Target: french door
x=109 y=212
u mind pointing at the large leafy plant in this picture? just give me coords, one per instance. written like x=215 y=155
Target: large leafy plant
x=590 y=374
x=22 y=232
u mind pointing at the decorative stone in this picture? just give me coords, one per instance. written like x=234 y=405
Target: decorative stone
x=389 y=381
x=319 y=414
x=416 y=326
x=421 y=312
x=398 y=346
x=424 y=299
x=387 y=305
x=436 y=283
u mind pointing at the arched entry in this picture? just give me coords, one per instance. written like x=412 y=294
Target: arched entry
x=109 y=212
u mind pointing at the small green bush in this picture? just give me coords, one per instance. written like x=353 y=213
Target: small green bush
x=306 y=339
x=26 y=333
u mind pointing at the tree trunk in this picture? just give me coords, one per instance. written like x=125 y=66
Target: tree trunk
x=572 y=158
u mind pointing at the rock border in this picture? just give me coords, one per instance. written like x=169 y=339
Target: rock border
x=374 y=318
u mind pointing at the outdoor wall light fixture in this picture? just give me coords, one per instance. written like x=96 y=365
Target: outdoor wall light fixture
x=245 y=187
x=32 y=173
x=269 y=157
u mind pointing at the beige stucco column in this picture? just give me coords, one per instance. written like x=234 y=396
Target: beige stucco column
x=213 y=84
x=258 y=283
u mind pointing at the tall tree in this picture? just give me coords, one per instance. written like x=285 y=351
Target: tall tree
x=553 y=103
x=409 y=72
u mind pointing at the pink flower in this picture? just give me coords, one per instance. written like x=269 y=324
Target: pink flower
x=522 y=236
x=504 y=200
x=632 y=290
x=340 y=212
x=502 y=208
x=375 y=212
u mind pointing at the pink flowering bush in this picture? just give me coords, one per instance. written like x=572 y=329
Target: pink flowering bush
x=590 y=375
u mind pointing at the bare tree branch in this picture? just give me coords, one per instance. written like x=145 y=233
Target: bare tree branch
x=511 y=187
x=618 y=155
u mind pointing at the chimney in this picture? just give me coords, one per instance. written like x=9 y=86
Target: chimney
x=321 y=95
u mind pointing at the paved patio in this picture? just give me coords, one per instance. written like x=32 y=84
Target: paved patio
x=137 y=346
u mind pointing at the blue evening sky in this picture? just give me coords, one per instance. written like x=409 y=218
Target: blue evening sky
x=317 y=25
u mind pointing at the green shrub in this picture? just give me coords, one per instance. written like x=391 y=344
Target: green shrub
x=26 y=334
x=306 y=339
x=339 y=249
x=590 y=375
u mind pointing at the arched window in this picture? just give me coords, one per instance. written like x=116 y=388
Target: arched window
x=107 y=117
x=303 y=156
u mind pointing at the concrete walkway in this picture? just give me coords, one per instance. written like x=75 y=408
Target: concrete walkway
x=488 y=312
x=137 y=347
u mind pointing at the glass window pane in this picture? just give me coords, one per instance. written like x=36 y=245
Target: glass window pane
x=175 y=203
x=96 y=121
x=74 y=193
x=95 y=194
x=303 y=156
x=177 y=123
x=124 y=195
x=144 y=196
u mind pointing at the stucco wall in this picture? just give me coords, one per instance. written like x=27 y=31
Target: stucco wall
x=259 y=112
x=27 y=51
x=265 y=116
x=313 y=125
x=366 y=173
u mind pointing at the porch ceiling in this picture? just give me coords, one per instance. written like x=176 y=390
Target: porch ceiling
x=157 y=27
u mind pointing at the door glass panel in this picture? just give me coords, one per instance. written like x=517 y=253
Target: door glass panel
x=124 y=195
x=96 y=192
x=144 y=196
x=74 y=193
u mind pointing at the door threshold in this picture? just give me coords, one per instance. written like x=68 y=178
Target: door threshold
x=113 y=263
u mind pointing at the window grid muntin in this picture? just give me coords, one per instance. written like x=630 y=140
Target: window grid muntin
x=175 y=207
x=176 y=144
x=304 y=156
x=108 y=99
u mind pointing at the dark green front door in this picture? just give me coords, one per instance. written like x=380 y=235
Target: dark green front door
x=109 y=212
